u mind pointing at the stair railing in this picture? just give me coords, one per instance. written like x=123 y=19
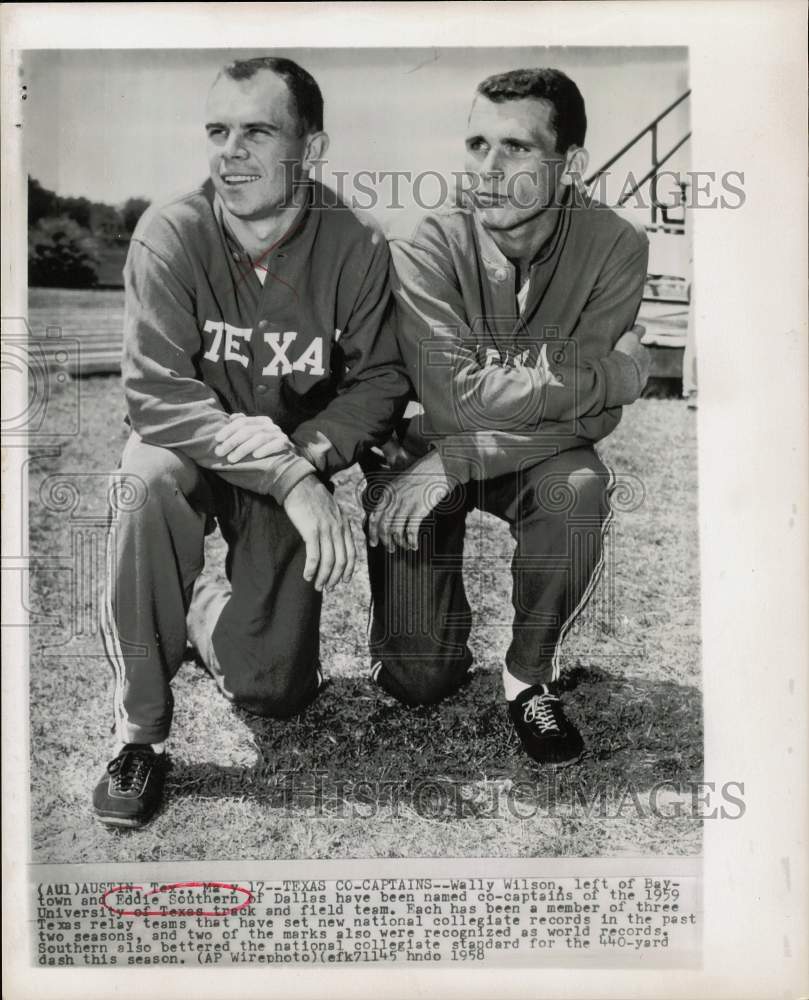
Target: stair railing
x=658 y=210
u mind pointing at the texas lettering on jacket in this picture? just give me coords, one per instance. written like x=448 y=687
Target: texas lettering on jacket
x=284 y=351
x=289 y=352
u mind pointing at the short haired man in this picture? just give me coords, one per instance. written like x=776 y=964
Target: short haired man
x=511 y=316
x=258 y=360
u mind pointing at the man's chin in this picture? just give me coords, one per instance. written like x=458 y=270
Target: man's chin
x=247 y=209
x=497 y=218
x=241 y=211
x=506 y=219
x=238 y=202
x=250 y=206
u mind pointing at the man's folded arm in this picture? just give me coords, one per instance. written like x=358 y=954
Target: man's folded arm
x=488 y=454
x=610 y=311
x=167 y=403
x=373 y=386
x=573 y=417
x=461 y=395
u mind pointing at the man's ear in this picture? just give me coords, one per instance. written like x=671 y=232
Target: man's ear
x=576 y=160
x=316 y=146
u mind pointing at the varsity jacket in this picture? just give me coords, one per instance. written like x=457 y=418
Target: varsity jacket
x=503 y=386
x=312 y=347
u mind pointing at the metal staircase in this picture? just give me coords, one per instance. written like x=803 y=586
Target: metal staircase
x=667 y=295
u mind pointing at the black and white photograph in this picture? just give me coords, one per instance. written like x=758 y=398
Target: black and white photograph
x=375 y=527
x=397 y=411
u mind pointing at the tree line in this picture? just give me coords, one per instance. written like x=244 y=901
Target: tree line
x=69 y=239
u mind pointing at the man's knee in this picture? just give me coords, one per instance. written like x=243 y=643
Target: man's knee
x=270 y=693
x=157 y=474
x=423 y=683
x=578 y=491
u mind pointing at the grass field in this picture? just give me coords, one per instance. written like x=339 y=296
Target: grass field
x=78 y=312
x=87 y=322
x=358 y=775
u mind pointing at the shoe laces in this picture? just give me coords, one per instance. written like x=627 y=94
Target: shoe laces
x=130 y=769
x=539 y=712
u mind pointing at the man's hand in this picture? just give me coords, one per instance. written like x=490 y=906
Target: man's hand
x=409 y=498
x=630 y=343
x=326 y=532
x=396 y=456
x=256 y=436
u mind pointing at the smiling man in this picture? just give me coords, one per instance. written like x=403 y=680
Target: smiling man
x=258 y=360
x=514 y=316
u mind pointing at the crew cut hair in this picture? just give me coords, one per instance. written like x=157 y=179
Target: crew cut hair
x=303 y=89
x=568 y=119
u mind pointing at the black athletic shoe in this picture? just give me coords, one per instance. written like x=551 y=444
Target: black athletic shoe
x=545 y=733
x=130 y=792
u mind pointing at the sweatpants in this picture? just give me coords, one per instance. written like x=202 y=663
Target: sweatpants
x=557 y=511
x=259 y=636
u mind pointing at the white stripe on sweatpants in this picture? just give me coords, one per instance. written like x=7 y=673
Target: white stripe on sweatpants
x=112 y=644
x=591 y=586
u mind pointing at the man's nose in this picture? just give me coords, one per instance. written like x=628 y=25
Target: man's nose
x=491 y=166
x=233 y=148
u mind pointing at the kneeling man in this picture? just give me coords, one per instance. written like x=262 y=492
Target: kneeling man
x=258 y=360
x=514 y=316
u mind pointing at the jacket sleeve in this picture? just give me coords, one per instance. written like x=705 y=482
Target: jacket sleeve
x=373 y=388
x=462 y=396
x=168 y=405
x=488 y=454
x=585 y=408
